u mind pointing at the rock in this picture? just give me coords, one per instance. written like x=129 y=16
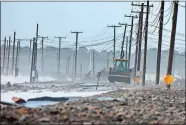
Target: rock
x=8 y=84
x=23 y=118
x=44 y=119
x=87 y=123
x=154 y=99
x=125 y=102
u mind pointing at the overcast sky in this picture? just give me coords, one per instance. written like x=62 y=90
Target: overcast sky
x=60 y=18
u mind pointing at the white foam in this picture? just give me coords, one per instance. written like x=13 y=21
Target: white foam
x=32 y=94
x=22 y=79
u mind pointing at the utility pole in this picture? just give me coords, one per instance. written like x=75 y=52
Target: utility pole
x=139 y=39
x=42 y=58
x=8 y=55
x=145 y=46
x=172 y=41
x=77 y=33
x=136 y=51
x=13 y=53
x=37 y=28
x=59 y=54
x=30 y=50
x=130 y=41
x=16 y=63
x=33 y=62
x=114 y=26
x=4 y=54
x=19 y=49
x=122 y=55
x=126 y=47
x=158 y=62
x=93 y=62
x=174 y=56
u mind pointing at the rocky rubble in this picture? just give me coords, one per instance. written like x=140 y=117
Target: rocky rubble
x=145 y=105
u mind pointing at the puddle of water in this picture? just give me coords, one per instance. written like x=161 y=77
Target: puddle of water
x=33 y=104
x=107 y=99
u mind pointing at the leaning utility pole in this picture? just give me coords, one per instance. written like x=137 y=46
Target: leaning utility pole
x=4 y=55
x=8 y=55
x=114 y=26
x=77 y=33
x=13 y=53
x=145 y=46
x=122 y=55
x=42 y=58
x=59 y=53
x=158 y=62
x=172 y=41
x=130 y=41
x=126 y=47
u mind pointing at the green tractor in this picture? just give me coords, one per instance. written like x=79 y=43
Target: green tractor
x=120 y=72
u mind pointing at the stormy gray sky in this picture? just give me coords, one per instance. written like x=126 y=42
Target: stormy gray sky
x=60 y=18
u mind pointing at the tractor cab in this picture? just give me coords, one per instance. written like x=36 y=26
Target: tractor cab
x=120 y=72
x=120 y=65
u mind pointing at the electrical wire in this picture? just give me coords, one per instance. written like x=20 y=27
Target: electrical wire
x=170 y=12
x=102 y=32
x=180 y=4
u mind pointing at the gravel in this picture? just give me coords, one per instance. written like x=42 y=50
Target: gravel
x=138 y=105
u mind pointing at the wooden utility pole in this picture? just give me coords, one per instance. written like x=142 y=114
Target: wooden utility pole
x=37 y=28
x=93 y=62
x=19 y=51
x=145 y=46
x=158 y=62
x=30 y=50
x=136 y=51
x=130 y=41
x=17 y=55
x=126 y=48
x=13 y=53
x=172 y=41
x=139 y=38
x=33 y=62
x=114 y=26
x=173 y=70
x=59 y=54
x=42 y=57
x=122 y=55
x=4 y=54
x=77 y=33
x=8 y=55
